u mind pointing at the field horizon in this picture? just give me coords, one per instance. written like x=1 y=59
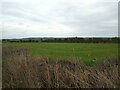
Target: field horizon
x=60 y=44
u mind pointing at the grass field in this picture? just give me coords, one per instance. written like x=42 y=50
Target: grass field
x=25 y=68
x=88 y=53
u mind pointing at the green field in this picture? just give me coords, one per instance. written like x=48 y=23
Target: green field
x=84 y=52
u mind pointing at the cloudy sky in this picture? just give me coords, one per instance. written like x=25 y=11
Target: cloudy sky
x=58 y=18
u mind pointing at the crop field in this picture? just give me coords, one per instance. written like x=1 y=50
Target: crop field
x=86 y=53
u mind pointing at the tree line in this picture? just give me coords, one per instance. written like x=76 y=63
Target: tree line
x=66 y=40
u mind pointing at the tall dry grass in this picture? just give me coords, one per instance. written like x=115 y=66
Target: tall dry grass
x=22 y=70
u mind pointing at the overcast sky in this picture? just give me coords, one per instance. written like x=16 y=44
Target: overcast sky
x=58 y=18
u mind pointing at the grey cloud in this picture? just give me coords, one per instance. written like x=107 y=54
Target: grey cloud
x=94 y=22
x=15 y=10
x=97 y=19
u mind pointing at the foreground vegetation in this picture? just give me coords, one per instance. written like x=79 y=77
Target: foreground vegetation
x=22 y=70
